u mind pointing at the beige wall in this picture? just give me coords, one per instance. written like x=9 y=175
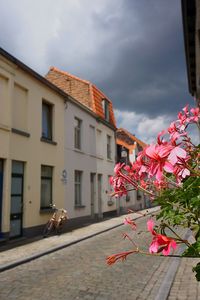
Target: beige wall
x=21 y=98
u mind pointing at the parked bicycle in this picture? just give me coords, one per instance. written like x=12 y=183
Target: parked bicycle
x=56 y=222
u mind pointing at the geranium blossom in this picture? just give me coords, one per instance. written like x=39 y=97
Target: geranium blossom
x=169 y=156
x=158 y=155
x=161 y=170
x=160 y=242
x=196 y=114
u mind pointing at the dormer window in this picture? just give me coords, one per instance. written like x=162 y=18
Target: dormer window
x=105 y=105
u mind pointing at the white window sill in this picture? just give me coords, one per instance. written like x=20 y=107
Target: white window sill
x=79 y=151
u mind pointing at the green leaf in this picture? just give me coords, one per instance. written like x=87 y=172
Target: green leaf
x=193 y=250
x=197 y=270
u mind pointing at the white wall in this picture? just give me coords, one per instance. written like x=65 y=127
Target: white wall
x=92 y=158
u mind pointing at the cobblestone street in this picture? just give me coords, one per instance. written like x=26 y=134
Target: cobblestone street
x=80 y=272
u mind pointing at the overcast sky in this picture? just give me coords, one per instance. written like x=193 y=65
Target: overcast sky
x=133 y=50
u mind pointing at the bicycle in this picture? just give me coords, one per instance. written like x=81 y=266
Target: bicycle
x=56 y=222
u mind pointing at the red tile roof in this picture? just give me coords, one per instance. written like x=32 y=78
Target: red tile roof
x=128 y=140
x=82 y=90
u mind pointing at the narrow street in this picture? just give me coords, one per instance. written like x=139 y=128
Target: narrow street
x=80 y=272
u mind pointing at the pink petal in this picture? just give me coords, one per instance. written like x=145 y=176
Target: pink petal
x=173 y=158
x=151 y=152
x=150 y=225
x=185 y=109
x=168 y=167
x=153 y=247
x=126 y=221
x=166 y=250
x=180 y=152
x=164 y=150
x=173 y=244
x=159 y=174
x=185 y=173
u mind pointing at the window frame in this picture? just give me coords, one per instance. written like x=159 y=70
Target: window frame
x=49 y=179
x=106 y=110
x=77 y=134
x=48 y=122
x=78 y=184
x=109 y=151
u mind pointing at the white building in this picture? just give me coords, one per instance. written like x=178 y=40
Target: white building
x=89 y=148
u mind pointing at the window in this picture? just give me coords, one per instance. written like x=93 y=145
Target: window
x=78 y=187
x=46 y=187
x=20 y=108
x=108 y=147
x=16 y=200
x=99 y=143
x=92 y=140
x=77 y=133
x=105 y=105
x=110 y=187
x=4 y=113
x=47 y=120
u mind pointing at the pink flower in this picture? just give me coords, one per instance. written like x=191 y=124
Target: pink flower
x=196 y=114
x=158 y=160
x=128 y=221
x=119 y=186
x=160 y=242
x=180 y=172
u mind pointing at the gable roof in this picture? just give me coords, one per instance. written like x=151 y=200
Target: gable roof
x=128 y=140
x=83 y=91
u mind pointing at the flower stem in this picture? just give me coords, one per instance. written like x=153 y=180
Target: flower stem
x=184 y=241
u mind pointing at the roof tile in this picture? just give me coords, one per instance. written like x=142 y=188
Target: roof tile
x=125 y=138
x=82 y=90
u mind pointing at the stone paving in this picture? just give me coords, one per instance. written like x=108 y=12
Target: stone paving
x=40 y=246
x=80 y=272
x=185 y=287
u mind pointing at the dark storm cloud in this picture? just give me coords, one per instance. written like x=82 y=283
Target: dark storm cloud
x=149 y=74
x=131 y=49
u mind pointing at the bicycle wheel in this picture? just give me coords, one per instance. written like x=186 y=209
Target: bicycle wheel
x=48 y=229
x=59 y=228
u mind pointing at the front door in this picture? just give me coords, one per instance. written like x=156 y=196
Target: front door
x=1 y=192
x=16 y=210
x=100 y=215
x=92 y=191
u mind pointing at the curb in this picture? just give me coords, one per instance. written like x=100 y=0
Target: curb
x=14 y=264
x=168 y=280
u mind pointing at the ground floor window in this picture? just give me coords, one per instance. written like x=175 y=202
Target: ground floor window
x=16 y=205
x=78 y=187
x=46 y=186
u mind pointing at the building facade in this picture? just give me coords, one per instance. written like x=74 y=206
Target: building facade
x=54 y=149
x=31 y=148
x=90 y=147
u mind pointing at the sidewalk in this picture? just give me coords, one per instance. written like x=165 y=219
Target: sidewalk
x=179 y=283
